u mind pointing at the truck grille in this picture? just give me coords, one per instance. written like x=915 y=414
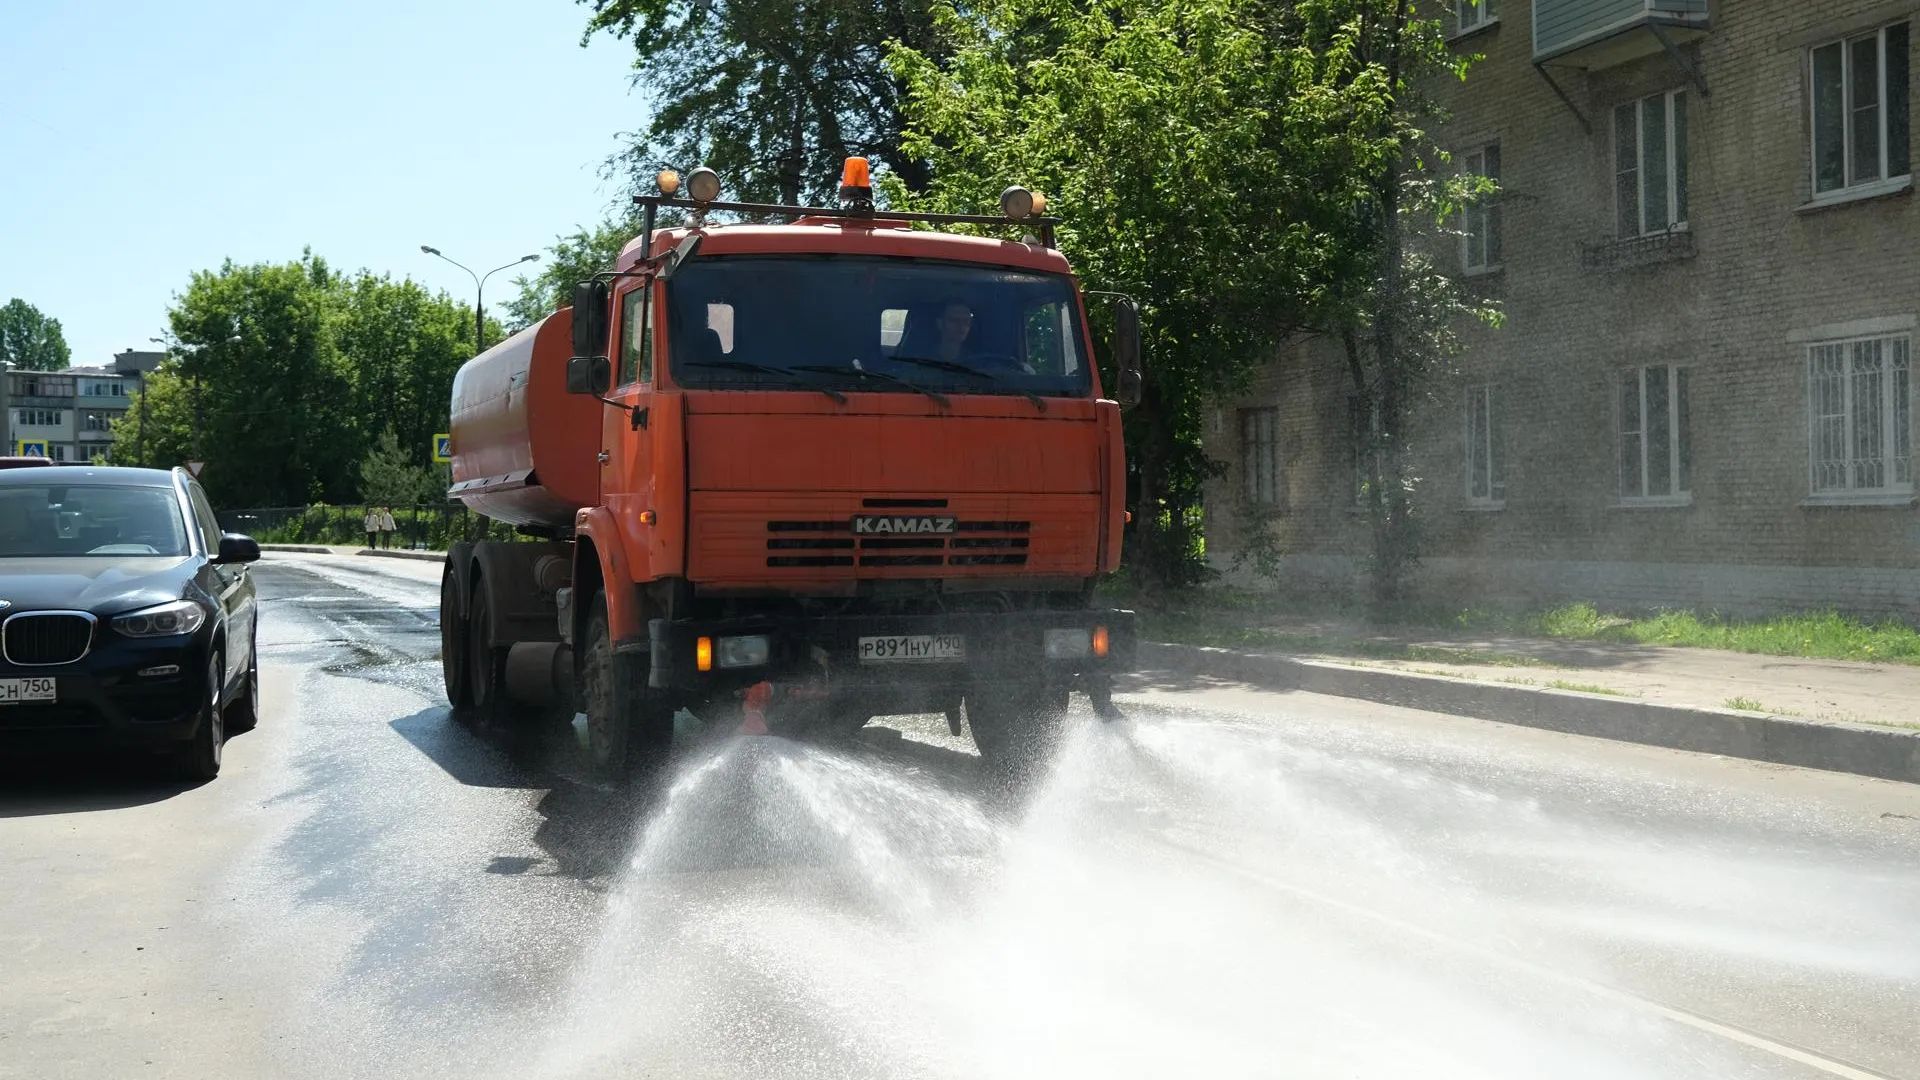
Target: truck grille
x=973 y=543
x=45 y=638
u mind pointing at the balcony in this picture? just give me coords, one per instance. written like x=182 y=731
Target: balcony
x=1613 y=256
x=1593 y=34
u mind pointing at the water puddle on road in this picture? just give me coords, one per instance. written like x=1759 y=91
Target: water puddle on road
x=1177 y=899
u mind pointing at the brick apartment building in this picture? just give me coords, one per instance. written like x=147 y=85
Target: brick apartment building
x=1708 y=251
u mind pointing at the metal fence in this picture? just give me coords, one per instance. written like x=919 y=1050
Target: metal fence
x=427 y=527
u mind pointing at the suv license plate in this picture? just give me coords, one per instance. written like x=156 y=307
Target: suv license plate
x=18 y=691
x=912 y=648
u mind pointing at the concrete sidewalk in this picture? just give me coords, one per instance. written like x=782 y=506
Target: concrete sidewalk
x=353 y=549
x=1826 y=691
x=1885 y=751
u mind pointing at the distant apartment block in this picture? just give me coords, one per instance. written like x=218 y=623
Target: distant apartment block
x=1708 y=251
x=72 y=411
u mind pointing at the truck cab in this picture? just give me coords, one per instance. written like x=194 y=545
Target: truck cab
x=840 y=467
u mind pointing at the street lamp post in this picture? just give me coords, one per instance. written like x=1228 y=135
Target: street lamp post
x=479 y=292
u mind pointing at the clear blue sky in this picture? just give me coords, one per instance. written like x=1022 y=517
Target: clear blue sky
x=140 y=142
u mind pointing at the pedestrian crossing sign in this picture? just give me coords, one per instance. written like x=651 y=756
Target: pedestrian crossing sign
x=31 y=448
x=442 y=448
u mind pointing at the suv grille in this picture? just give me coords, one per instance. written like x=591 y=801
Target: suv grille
x=44 y=638
x=974 y=543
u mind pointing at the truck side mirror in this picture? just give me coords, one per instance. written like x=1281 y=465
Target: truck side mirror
x=588 y=374
x=590 y=311
x=1126 y=351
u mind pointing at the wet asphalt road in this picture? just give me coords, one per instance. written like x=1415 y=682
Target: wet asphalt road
x=1232 y=883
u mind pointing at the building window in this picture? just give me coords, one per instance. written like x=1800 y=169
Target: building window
x=1260 y=456
x=45 y=386
x=1860 y=110
x=1472 y=14
x=1480 y=242
x=39 y=417
x=95 y=420
x=57 y=451
x=1650 y=164
x=1656 y=446
x=1861 y=421
x=1486 y=458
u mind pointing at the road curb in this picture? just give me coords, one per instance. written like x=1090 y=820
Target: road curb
x=399 y=553
x=304 y=548
x=1850 y=748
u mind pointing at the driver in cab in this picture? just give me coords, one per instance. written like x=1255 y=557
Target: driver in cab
x=954 y=330
x=955 y=324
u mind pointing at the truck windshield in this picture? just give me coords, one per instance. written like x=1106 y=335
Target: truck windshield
x=880 y=325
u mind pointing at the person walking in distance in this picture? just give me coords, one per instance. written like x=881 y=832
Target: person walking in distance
x=387 y=527
x=372 y=523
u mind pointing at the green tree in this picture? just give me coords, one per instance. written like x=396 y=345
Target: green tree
x=572 y=258
x=157 y=431
x=771 y=94
x=271 y=394
x=402 y=346
x=1223 y=161
x=1396 y=313
x=29 y=340
x=389 y=477
x=284 y=376
x=1194 y=169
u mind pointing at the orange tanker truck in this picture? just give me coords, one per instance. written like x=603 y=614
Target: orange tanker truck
x=839 y=466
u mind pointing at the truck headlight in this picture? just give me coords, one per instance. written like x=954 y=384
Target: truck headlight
x=751 y=650
x=1071 y=644
x=164 y=620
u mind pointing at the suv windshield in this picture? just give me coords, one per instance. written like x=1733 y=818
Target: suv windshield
x=879 y=325
x=58 y=520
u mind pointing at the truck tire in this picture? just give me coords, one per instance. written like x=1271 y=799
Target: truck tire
x=453 y=642
x=1017 y=728
x=486 y=665
x=629 y=726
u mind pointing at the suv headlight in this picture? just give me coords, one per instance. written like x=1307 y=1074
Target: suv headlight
x=164 y=620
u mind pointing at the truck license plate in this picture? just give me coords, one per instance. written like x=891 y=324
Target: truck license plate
x=913 y=648
x=16 y=691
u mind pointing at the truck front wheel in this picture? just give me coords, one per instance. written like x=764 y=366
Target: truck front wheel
x=453 y=642
x=1016 y=728
x=629 y=727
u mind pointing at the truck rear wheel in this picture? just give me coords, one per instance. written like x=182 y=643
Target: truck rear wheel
x=486 y=665
x=629 y=727
x=1016 y=728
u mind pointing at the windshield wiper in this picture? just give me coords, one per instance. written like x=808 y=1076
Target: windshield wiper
x=863 y=373
x=941 y=365
x=744 y=365
x=962 y=369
